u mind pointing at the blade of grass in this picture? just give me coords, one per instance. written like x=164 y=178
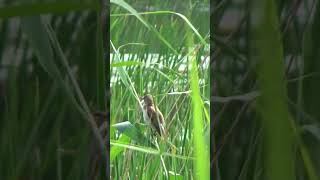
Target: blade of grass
x=86 y=113
x=201 y=148
x=145 y=23
x=278 y=136
x=183 y=17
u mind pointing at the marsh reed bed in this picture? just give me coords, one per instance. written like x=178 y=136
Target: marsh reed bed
x=161 y=48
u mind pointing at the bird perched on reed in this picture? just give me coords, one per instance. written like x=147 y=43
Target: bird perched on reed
x=152 y=115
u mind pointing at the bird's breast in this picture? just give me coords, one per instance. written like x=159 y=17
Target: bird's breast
x=145 y=115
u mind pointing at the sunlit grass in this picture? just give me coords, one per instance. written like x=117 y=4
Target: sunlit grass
x=167 y=76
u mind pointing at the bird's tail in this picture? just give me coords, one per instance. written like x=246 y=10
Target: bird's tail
x=163 y=132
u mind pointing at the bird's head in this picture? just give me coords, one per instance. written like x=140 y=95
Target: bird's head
x=148 y=100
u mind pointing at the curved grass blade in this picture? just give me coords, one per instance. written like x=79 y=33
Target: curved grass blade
x=126 y=6
x=131 y=131
x=183 y=17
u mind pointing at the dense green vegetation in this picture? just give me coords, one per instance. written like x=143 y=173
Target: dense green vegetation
x=161 y=48
x=53 y=96
x=52 y=77
x=266 y=89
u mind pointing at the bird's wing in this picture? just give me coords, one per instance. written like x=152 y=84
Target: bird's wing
x=154 y=122
x=162 y=124
x=161 y=119
x=151 y=111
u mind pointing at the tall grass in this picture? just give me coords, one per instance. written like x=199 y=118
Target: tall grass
x=265 y=124
x=278 y=151
x=152 y=53
x=52 y=81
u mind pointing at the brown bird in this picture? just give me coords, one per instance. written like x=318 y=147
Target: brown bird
x=152 y=115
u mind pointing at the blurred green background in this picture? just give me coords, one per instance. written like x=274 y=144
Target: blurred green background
x=265 y=86
x=52 y=76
